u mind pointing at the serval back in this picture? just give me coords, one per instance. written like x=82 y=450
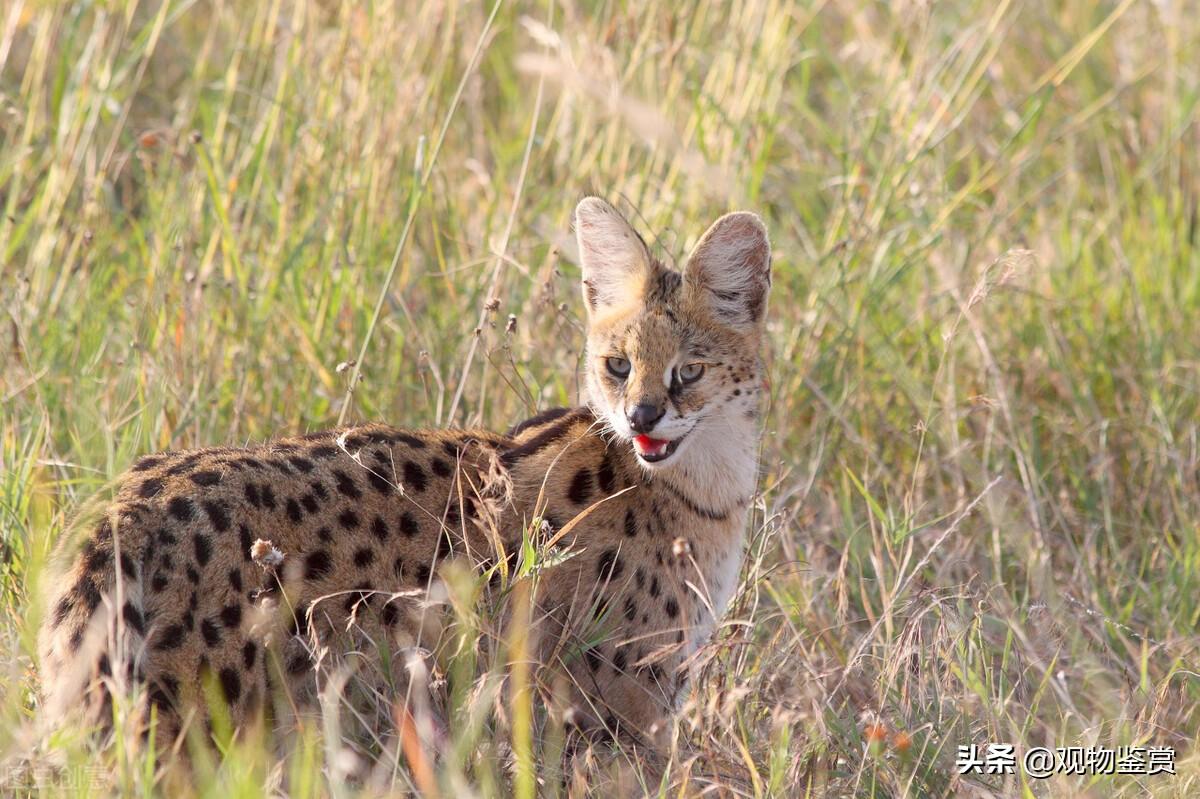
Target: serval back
x=235 y=571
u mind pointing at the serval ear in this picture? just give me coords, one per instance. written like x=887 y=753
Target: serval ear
x=729 y=272
x=614 y=258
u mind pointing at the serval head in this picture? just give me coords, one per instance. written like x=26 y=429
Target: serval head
x=673 y=361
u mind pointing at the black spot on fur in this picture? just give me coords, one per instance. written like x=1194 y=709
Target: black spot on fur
x=594 y=661
x=360 y=595
x=252 y=496
x=544 y=438
x=94 y=558
x=88 y=594
x=293 y=511
x=408 y=525
x=423 y=574
x=231 y=616
x=364 y=557
x=211 y=633
x=249 y=653
x=630 y=609
x=193 y=576
x=231 y=684
x=609 y=566
x=235 y=579
x=205 y=478
x=317 y=565
x=389 y=615
x=297 y=662
x=348 y=519
x=605 y=475
x=310 y=503
x=671 y=607
x=268 y=496
x=128 y=567
x=150 y=487
x=63 y=609
x=146 y=463
x=303 y=464
x=378 y=482
x=169 y=638
x=414 y=476
x=619 y=660
x=379 y=528
x=218 y=515
x=103 y=532
x=654 y=589
x=631 y=526
x=324 y=535
x=165 y=538
x=203 y=548
x=444 y=548
x=181 y=508
x=133 y=618
x=545 y=417
x=440 y=467
x=452 y=448
x=185 y=465
x=346 y=485
x=246 y=541
x=318 y=489
x=401 y=437
x=281 y=466
x=159 y=583
x=581 y=487
x=323 y=452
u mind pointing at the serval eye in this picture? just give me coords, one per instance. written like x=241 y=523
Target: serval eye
x=691 y=372
x=617 y=367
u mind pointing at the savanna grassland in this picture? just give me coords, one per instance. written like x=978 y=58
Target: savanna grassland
x=979 y=517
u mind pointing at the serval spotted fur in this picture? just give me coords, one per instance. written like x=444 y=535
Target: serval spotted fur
x=231 y=572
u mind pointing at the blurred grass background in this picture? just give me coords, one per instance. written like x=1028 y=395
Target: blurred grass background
x=980 y=515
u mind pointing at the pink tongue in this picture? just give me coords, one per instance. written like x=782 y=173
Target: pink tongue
x=648 y=444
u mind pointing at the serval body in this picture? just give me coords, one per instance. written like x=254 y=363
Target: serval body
x=234 y=568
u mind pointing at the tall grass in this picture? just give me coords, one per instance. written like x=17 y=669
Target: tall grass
x=980 y=509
